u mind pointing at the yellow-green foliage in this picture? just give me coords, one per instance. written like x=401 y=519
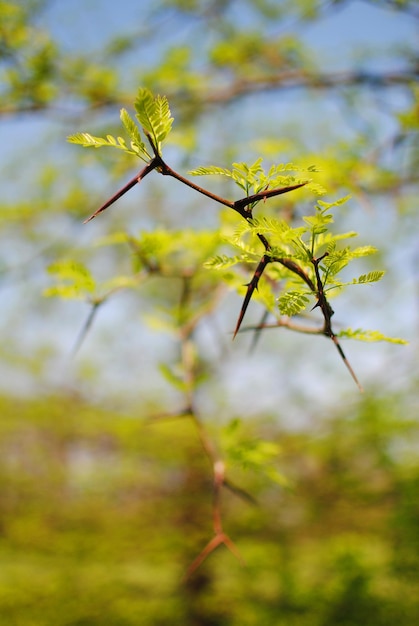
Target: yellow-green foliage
x=102 y=513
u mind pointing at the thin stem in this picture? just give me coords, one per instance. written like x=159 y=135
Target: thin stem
x=284 y=323
x=189 y=366
x=168 y=171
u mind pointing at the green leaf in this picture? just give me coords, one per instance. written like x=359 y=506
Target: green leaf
x=247 y=176
x=292 y=302
x=265 y=295
x=211 y=171
x=236 y=240
x=153 y=113
x=363 y=251
x=120 y=282
x=326 y=206
x=222 y=261
x=336 y=261
x=253 y=179
x=133 y=131
x=369 y=335
x=245 y=450
x=75 y=279
x=66 y=292
x=277 y=228
x=90 y=141
x=118 y=237
x=330 y=239
x=176 y=381
x=251 y=453
x=371 y=277
x=276 y=476
x=319 y=223
x=319 y=190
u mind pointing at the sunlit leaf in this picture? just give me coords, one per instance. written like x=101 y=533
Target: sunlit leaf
x=368 y=335
x=153 y=113
x=171 y=377
x=326 y=206
x=222 y=261
x=292 y=302
x=211 y=171
x=371 y=277
x=74 y=280
x=133 y=131
x=90 y=141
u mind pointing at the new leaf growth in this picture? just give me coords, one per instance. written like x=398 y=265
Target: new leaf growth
x=303 y=263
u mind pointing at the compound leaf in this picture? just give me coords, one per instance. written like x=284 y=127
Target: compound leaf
x=75 y=280
x=292 y=302
x=133 y=131
x=371 y=277
x=153 y=113
x=368 y=335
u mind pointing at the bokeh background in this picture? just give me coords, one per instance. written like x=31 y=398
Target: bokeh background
x=103 y=503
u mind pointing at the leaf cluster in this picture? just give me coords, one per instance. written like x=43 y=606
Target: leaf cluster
x=302 y=244
x=153 y=114
x=74 y=281
x=253 y=179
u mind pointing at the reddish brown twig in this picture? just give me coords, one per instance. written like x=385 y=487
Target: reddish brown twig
x=220 y=537
x=137 y=179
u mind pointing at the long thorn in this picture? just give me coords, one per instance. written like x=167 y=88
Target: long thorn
x=114 y=198
x=137 y=178
x=86 y=327
x=345 y=360
x=240 y=205
x=250 y=289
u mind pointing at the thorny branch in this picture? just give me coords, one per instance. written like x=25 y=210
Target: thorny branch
x=244 y=207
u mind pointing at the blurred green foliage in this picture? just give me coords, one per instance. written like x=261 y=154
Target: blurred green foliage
x=102 y=513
